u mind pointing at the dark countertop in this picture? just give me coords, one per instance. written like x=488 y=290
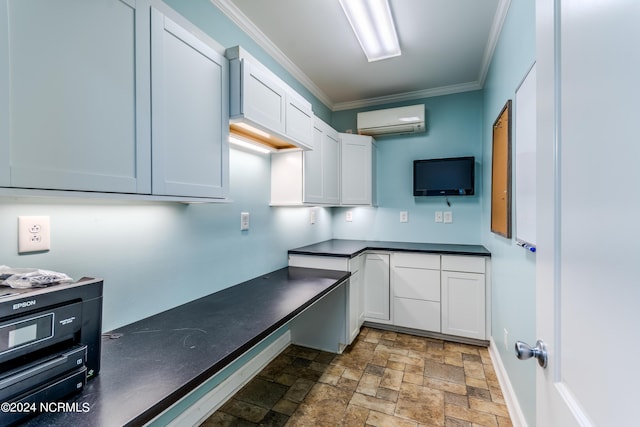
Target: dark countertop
x=158 y=360
x=351 y=248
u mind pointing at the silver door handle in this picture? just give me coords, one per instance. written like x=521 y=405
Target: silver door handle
x=524 y=351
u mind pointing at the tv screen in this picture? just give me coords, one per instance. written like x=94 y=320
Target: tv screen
x=444 y=177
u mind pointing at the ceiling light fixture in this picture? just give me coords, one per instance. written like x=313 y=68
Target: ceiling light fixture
x=372 y=23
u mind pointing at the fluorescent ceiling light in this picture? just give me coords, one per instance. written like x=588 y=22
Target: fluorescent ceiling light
x=241 y=142
x=372 y=23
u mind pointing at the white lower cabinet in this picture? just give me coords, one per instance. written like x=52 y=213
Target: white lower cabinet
x=464 y=297
x=441 y=294
x=376 y=287
x=416 y=291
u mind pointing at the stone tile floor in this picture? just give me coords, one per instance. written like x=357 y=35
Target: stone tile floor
x=383 y=379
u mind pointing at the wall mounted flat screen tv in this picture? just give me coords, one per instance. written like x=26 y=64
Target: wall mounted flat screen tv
x=444 y=177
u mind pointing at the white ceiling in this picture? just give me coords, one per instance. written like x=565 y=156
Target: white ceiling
x=446 y=47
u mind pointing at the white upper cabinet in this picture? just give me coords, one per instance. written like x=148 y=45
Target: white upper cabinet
x=74 y=98
x=263 y=100
x=308 y=177
x=357 y=170
x=321 y=172
x=299 y=118
x=263 y=107
x=77 y=79
x=189 y=113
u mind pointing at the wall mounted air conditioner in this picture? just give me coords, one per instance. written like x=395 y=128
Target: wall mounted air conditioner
x=392 y=121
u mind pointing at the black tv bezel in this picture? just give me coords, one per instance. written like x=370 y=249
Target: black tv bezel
x=445 y=192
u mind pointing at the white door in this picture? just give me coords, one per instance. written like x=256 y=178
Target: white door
x=588 y=211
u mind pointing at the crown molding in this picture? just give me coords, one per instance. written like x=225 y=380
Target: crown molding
x=245 y=24
x=494 y=36
x=408 y=96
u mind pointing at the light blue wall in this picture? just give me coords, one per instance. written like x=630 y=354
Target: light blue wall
x=154 y=256
x=454 y=128
x=513 y=268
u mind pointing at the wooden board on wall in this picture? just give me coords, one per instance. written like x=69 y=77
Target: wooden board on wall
x=501 y=174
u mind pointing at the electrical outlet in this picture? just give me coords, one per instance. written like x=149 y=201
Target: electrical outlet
x=404 y=216
x=438 y=216
x=506 y=339
x=349 y=216
x=448 y=217
x=33 y=234
x=312 y=216
x=244 y=221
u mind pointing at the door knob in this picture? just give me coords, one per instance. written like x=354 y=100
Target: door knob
x=525 y=351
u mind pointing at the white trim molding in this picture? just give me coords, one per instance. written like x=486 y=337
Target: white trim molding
x=197 y=413
x=244 y=23
x=510 y=398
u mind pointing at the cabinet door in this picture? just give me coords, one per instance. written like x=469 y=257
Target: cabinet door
x=313 y=173
x=356 y=170
x=376 y=285
x=74 y=98
x=463 y=304
x=190 y=113
x=321 y=171
x=331 y=167
x=263 y=98
x=299 y=119
x=355 y=290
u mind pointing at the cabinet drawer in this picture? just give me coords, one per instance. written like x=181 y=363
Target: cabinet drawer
x=416 y=260
x=323 y=262
x=470 y=264
x=416 y=283
x=417 y=314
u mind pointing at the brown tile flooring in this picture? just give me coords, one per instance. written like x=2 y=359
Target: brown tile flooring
x=382 y=379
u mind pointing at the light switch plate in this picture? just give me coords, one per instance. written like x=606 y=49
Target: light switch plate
x=244 y=221
x=448 y=217
x=438 y=216
x=33 y=234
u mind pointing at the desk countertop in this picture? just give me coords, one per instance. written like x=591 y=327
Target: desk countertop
x=158 y=360
x=351 y=248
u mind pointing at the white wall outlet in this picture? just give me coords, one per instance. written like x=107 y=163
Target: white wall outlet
x=506 y=339
x=312 y=216
x=348 y=216
x=448 y=217
x=438 y=216
x=244 y=221
x=33 y=234
x=404 y=216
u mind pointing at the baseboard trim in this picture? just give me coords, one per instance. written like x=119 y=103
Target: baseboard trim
x=197 y=413
x=510 y=398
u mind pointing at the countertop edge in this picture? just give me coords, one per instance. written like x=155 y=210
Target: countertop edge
x=389 y=246
x=150 y=413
